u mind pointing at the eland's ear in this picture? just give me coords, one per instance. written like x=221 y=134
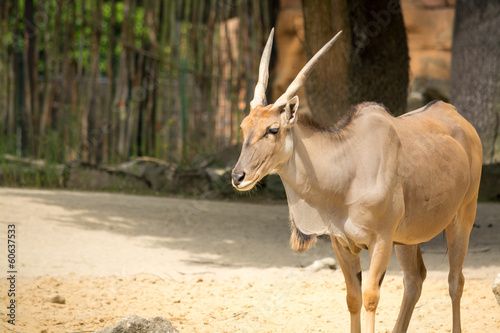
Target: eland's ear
x=291 y=108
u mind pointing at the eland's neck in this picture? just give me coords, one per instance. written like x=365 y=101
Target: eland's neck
x=320 y=167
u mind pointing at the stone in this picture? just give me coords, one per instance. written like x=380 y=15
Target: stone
x=89 y=177
x=133 y=168
x=191 y=181
x=56 y=299
x=496 y=288
x=165 y=177
x=136 y=324
x=159 y=176
x=321 y=264
x=157 y=173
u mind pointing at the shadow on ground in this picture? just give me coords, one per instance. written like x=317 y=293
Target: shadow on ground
x=234 y=234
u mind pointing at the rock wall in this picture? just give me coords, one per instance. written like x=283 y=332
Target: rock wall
x=429 y=28
x=147 y=175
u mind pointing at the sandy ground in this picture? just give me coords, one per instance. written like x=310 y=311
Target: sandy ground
x=207 y=266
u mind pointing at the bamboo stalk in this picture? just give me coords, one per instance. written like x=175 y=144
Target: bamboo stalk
x=108 y=124
x=173 y=92
x=150 y=132
x=4 y=73
x=51 y=72
x=240 y=85
x=194 y=105
x=135 y=108
x=27 y=59
x=161 y=139
x=11 y=96
x=94 y=98
x=88 y=152
x=122 y=89
x=37 y=32
x=209 y=99
x=134 y=74
x=151 y=72
x=71 y=135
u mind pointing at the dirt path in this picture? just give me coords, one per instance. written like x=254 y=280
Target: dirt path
x=207 y=267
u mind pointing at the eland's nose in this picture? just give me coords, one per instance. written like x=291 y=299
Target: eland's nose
x=238 y=178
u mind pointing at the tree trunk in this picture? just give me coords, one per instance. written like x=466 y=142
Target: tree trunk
x=122 y=86
x=475 y=70
x=369 y=63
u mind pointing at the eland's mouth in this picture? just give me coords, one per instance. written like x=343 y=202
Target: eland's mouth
x=245 y=185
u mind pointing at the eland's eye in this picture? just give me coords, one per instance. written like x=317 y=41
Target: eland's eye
x=272 y=131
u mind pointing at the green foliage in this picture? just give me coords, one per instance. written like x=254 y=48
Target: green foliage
x=99 y=81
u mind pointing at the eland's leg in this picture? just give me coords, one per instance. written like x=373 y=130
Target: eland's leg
x=380 y=253
x=457 y=237
x=351 y=268
x=410 y=260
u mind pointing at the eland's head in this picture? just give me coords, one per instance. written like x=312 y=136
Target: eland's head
x=267 y=135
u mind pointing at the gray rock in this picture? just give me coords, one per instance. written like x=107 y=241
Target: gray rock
x=89 y=177
x=157 y=173
x=496 y=288
x=161 y=177
x=136 y=324
x=191 y=181
x=321 y=264
x=57 y=299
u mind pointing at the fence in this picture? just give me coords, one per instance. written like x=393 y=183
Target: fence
x=100 y=81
